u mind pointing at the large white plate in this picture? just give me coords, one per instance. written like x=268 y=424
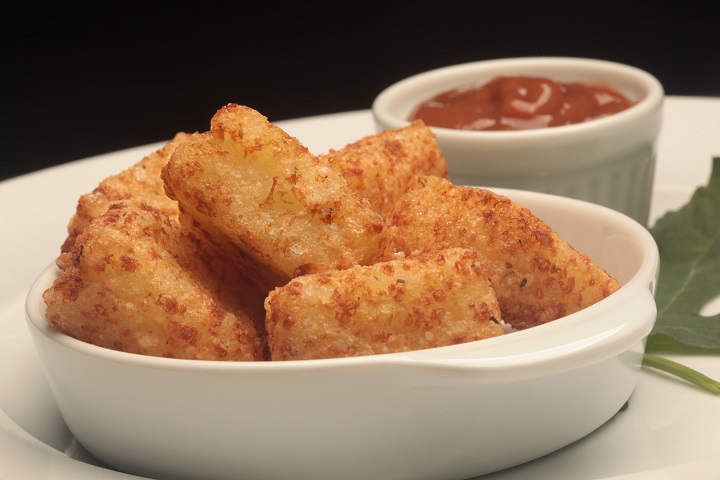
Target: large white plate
x=670 y=430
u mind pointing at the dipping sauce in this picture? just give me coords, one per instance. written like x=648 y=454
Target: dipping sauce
x=520 y=103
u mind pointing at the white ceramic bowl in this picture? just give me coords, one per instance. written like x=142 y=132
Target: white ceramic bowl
x=453 y=412
x=609 y=161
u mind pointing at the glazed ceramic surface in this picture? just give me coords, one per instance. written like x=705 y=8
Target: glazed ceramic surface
x=451 y=412
x=669 y=430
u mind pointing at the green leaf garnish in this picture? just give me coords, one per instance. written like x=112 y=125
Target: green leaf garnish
x=689 y=243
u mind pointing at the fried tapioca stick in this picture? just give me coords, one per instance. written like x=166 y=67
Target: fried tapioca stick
x=140 y=181
x=382 y=166
x=135 y=284
x=434 y=299
x=537 y=276
x=260 y=192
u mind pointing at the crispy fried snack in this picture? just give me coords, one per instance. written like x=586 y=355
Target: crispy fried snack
x=135 y=282
x=255 y=189
x=239 y=244
x=433 y=299
x=380 y=167
x=537 y=276
x=140 y=181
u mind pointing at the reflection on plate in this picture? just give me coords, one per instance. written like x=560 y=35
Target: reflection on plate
x=669 y=430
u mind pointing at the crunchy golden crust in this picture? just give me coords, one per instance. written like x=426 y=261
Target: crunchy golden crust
x=433 y=299
x=367 y=249
x=135 y=283
x=537 y=276
x=380 y=167
x=140 y=181
x=259 y=191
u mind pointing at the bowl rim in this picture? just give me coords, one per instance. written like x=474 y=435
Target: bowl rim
x=594 y=345
x=443 y=79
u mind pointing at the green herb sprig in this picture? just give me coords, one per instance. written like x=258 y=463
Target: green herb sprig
x=688 y=240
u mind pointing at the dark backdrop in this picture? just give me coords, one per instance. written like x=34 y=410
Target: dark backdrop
x=80 y=83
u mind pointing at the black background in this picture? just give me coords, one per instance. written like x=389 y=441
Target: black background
x=78 y=83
